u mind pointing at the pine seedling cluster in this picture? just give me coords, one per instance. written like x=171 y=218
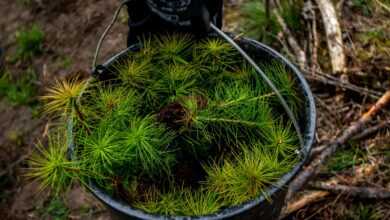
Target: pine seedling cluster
x=185 y=128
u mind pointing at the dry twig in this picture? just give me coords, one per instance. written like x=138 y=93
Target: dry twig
x=383 y=5
x=355 y=191
x=292 y=42
x=333 y=35
x=372 y=130
x=312 y=169
x=328 y=80
x=310 y=197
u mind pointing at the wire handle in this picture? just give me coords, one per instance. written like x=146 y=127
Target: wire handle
x=265 y=78
x=104 y=35
x=235 y=45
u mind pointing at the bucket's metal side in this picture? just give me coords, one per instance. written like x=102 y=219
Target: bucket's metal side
x=259 y=208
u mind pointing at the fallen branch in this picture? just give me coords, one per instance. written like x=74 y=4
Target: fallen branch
x=315 y=196
x=312 y=169
x=383 y=5
x=333 y=35
x=292 y=42
x=339 y=83
x=355 y=191
x=365 y=133
x=372 y=130
x=309 y=198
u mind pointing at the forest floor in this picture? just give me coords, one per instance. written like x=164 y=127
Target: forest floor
x=70 y=32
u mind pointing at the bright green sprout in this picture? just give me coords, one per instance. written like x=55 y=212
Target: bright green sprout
x=173 y=48
x=181 y=201
x=102 y=150
x=135 y=73
x=215 y=54
x=50 y=165
x=114 y=104
x=245 y=177
x=148 y=144
x=63 y=95
x=186 y=128
x=201 y=202
x=161 y=203
x=279 y=75
x=280 y=140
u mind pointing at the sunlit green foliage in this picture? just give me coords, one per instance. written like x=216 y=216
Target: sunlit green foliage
x=245 y=176
x=63 y=95
x=50 y=165
x=185 y=127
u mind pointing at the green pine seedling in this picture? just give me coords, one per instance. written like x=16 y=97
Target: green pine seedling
x=113 y=105
x=102 y=150
x=177 y=80
x=173 y=48
x=282 y=80
x=245 y=177
x=200 y=202
x=176 y=100
x=280 y=140
x=157 y=202
x=234 y=114
x=214 y=54
x=135 y=73
x=180 y=201
x=50 y=166
x=148 y=145
x=62 y=96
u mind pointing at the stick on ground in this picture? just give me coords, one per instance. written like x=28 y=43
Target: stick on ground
x=333 y=35
x=360 y=192
x=313 y=196
x=312 y=169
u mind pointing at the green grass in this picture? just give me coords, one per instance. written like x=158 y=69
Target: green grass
x=21 y=90
x=55 y=209
x=345 y=159
x=29 y=43
x=257 y=25
x=365 y=6
x=362 y=211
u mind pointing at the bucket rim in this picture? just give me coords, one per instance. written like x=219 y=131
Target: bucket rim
x=309 y=133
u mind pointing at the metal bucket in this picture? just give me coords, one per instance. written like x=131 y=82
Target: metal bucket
x=259 y=208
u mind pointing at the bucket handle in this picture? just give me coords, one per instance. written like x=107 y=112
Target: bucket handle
x=286 y=107
x=288 y=110
x=104 y=35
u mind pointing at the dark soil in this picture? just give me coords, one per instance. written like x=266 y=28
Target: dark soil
x=72 y=29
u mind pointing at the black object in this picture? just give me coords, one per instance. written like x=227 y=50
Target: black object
x=259 y=208
x=148 y=17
